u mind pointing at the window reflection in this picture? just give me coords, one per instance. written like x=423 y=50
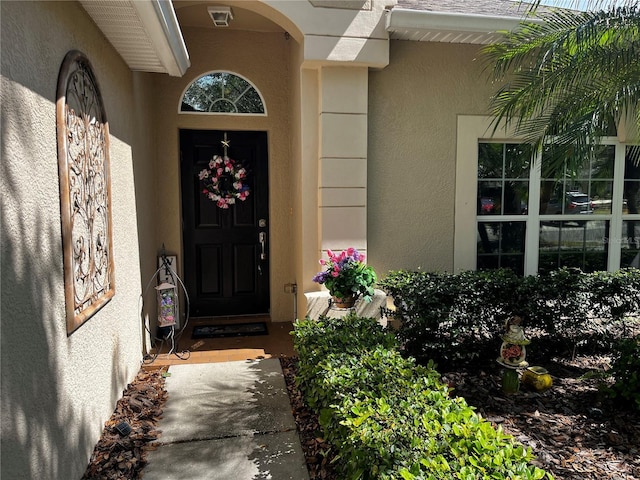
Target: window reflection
x=631 y=201
x=501 y=245
x=630 y=238
x=630 y=244
x=574 y=214
x=222 y=92
x=579 y=187
x=579 y=244
x=503 y=179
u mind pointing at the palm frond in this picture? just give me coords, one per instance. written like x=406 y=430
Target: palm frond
x=568 y=79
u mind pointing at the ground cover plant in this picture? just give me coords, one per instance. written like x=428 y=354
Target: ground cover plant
x=386 y=417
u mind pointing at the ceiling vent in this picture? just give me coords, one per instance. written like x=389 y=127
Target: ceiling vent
x=221 y=16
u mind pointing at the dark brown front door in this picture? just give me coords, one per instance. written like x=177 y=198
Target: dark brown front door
x=226 y=254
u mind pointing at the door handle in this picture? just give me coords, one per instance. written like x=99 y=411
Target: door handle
x=262 y=238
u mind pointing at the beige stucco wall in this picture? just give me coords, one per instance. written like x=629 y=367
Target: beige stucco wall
x=413 y=109
x=144 y=137
x=265 y=60
x=302 y=175
x=57 y=391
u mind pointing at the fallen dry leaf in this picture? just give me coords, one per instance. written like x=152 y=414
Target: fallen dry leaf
x=117 y=457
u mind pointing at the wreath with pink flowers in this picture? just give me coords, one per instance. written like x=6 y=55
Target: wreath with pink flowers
x=224 y=181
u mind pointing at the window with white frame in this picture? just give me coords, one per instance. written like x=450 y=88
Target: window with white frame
x=222 y=93
x=502 y=205
x=575 y=211
x=630 y=234
x=512 y=212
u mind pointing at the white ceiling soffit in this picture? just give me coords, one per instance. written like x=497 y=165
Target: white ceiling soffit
x=146 y=34
x=428 y=26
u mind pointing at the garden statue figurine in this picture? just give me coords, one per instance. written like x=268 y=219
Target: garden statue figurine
x=512 y=354
x=513 y=351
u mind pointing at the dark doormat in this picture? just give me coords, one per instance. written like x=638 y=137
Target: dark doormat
x=230 y=330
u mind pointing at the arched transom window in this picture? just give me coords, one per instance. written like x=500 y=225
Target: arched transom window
x=222 y=93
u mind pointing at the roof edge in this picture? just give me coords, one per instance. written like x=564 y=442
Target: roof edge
x=407 y=19
x=160 y=21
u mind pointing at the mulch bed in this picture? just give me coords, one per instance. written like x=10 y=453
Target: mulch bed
x=573 y=429
x=122 y=457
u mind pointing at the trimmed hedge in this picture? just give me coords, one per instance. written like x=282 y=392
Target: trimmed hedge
x=388 y=418
x=626 y=371
x=456 y=318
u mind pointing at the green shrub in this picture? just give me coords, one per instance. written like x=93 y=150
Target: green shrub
x=388 y=418
x=626 y=371
x=457 y=318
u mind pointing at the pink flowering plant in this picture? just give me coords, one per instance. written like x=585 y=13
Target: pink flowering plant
x=345 y=274
x=224 y=181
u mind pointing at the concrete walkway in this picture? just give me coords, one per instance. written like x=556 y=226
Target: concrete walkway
x=227 y=421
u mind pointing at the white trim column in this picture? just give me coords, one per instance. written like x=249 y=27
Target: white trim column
x=340 y=41
x=342 y=186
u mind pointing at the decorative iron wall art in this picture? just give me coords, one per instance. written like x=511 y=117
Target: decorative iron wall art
x=85 y=191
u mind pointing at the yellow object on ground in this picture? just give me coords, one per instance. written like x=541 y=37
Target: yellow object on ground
x=537 y=378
